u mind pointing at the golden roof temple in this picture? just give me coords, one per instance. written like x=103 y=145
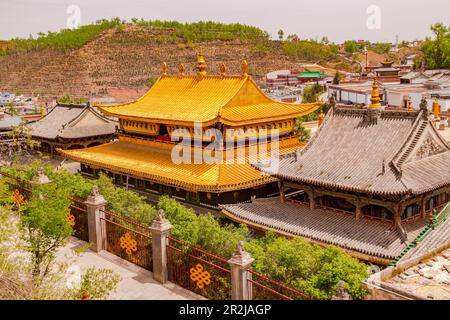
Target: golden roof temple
x=232 y=104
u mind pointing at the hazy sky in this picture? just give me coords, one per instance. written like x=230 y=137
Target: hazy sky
x=338 y=19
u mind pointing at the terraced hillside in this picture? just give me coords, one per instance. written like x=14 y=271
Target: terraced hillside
x=126 y=58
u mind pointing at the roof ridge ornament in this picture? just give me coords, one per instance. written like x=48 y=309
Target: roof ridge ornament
x=424 y=108
x=244 y=68
x=164 y=69
x=223 y=69
x=182 y=69
x=201 y=64
x=409 y=106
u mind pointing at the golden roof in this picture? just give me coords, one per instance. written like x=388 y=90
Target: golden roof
x=153 y=162
x=230 y=99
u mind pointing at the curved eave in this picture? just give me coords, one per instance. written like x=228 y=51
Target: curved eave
x=392 y=193
x=171 y=181
x=311 y=107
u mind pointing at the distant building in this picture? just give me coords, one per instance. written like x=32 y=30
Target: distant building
x=353 y=93
x=71 y=126
x=6 y=98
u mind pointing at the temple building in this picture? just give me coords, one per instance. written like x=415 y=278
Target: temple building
x=142 y=158
x=367 y=181
x=72 y=126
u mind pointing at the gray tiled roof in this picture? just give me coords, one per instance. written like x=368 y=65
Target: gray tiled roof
x=399 y=153
x=7 y=123
x=373 y=238
x=438 y=237
x=72 y=121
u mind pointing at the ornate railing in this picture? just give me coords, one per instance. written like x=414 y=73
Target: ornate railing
x=128 y=240
x=198 y=270
x=263 y=288
x=78 y=219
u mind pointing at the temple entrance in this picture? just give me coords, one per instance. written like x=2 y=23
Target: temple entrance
x=411 y=211
x=46 y=148
x=75 y=146
x=436 y=201
x=93 y=144
x=377 y=212
x=336 y=203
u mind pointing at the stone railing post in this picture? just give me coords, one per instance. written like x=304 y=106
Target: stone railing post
x=240 y=264
x=95 y=204
x=160 y=230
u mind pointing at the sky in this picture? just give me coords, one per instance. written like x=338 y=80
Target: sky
x=339 y=20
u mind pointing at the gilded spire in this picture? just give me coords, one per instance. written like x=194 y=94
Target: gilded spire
x=201 y=65
x=164 y=68
x=436 y=108
x=321 y=117
x=375 y=99
x=409 y=107
x=223 y=69
x=182 y=69
x=244 y=67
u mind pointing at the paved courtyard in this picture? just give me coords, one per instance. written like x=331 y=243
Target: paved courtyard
x=136 y=283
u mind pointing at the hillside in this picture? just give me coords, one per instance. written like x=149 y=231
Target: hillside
x=125 y=58
x=119 y=59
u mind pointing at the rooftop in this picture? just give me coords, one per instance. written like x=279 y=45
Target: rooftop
x=229 y=99
x=389 y=153
x=72 y=121
x=366 y=237
x=153 y=160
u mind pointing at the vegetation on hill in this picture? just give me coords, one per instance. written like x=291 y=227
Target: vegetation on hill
x=188 y=32
x=436 y=52
x=206 y=30
x=62 y=40
x=309 y=50
x=310 y=268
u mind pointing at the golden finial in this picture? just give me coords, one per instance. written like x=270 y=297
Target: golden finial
x=182 y=69
x=201 y=65
x=409 y=107
x=223 y=69
x=321 y=117
x=375 y=99
x=164 y=68
x=436 y=108
x=244 y=67
x=42 y=111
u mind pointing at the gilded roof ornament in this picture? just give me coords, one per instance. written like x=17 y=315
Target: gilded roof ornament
x=182 y=69
x=321 y=117
x=164 y=68
x=375 y=99
x=201 y=65
x=436 y=108
x=223 y=69
x=244 y=67
x=409 y=107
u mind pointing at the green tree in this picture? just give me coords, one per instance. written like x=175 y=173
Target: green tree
x=436 y=53
x=280 y=34
x=45 y=226
x=350 y=46
x=337 y=77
